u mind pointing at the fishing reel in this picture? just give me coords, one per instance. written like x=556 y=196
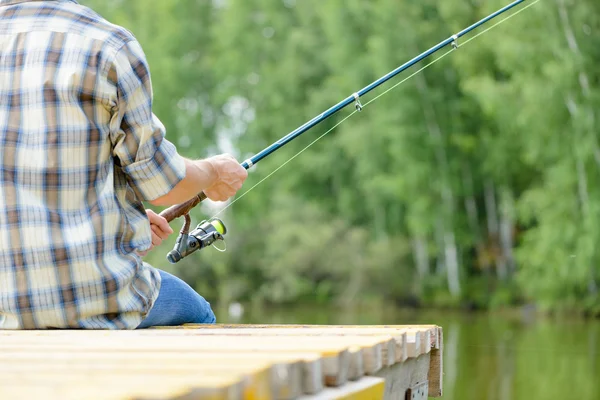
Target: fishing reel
x=205 y=235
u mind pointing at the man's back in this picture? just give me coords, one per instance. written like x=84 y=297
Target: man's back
x=79 y=150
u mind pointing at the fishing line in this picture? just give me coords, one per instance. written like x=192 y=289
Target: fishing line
x=284 y=164
x=371 y=101
x=450 y=51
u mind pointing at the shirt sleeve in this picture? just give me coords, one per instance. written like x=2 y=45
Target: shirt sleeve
x=150 y=162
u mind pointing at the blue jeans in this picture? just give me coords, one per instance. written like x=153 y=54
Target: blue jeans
x=177 y=304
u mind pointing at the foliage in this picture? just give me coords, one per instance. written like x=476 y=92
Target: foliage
x=474 y=183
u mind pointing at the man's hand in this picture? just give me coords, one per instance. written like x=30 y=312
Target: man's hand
x=219 y=177
x=160 y=230
x=230 y=176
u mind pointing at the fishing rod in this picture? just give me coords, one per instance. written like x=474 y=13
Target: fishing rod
x=207 y=232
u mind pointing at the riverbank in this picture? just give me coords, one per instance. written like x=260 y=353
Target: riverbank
x=374 y=312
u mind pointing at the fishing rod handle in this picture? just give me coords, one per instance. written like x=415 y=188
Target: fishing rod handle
x=179 y=210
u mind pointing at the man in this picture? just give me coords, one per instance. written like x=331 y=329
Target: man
x=80 y=151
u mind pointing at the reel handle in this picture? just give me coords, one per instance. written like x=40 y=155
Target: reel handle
x=179 y=210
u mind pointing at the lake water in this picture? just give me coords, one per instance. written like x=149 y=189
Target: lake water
x=486 y=356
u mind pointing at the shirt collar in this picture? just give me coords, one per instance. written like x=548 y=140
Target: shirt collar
x=12 y=2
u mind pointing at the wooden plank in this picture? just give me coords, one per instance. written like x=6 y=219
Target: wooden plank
x=332 y=369
x=191 y=338
x=400 y=377
x=107 y=391
x=293 y=372
x=433 y=329
x=423 y=340
x=367 y=388
x=356 y=368
x=284 y=382
x=370 y=350
x=436 y=371
x=413 y=344
x=371 y=346
x=336 y=362
x=393 y=340
x=428 y=333
x=117 y=385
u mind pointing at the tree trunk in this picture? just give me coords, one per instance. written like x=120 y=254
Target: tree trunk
x=493 y=229
x=584 y=81
x=440 y=265
x=506 y=232
x=449 y=242
x=421 y=257
x=473 y=219
x=451 y=256
x=582 y=185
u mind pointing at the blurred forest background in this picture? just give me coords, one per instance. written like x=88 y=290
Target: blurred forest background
x=475 y=184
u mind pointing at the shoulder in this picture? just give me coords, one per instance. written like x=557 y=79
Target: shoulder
x=122 y=56
x=91 y=24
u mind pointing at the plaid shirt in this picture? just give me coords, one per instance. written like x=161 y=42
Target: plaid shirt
x=80 y=149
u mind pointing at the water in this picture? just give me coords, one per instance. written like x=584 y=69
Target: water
x=486 y=356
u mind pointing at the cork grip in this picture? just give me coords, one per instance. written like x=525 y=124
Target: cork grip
x=179 y=210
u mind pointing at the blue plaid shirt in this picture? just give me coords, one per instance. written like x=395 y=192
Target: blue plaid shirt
x=80 y=149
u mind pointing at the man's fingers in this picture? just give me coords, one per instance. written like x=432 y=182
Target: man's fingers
x=159 y=221
x=151 y=214
x=216 y=194
x=164 y=226
x=223 y=190
x=156 y=240
x=159 y=232
x=159 y=225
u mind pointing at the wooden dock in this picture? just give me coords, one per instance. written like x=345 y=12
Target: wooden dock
x=223 y=362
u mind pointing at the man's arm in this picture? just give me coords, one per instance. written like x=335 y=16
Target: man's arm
x=154 y=168
x=199 y=175
x=219 y=177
